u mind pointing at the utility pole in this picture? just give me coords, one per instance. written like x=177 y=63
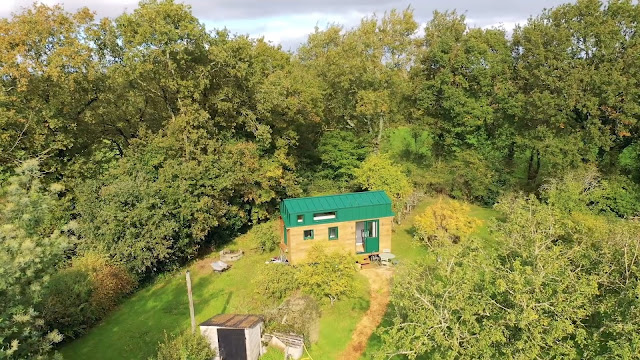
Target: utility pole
x=191 y=311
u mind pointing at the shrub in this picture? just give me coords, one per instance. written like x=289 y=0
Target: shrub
x=110 y=282
x=67 y=302
x=299 y=314
x=275 y=282
x=324 y=276
x=186 y=346
x=618 y=196
x=327 y=275
x=265 y=236
x=445 y=221
x=584 y=189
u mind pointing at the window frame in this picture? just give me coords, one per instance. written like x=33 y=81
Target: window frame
x=329 y=233
x=300 y=218
x=305 y=237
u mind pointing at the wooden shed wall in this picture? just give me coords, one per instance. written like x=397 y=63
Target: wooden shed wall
x=346 y=242
x=254 y=341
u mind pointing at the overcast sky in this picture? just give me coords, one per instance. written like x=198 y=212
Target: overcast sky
x=289 y=21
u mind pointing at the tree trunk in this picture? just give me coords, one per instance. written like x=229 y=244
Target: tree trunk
x=533 y=169
x=380 y=129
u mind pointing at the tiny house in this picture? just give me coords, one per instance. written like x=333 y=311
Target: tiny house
x=234 y=336
x=359 y=223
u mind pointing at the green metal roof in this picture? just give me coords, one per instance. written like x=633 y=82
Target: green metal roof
x=351 y=206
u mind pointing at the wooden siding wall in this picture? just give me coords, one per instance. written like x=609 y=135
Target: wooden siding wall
x=346 y=242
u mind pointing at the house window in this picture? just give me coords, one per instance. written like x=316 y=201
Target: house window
x=324 y=216
x=300 y=218
x=308 y=234
x=333 y=233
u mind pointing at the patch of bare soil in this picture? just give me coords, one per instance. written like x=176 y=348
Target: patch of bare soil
x=379 y=278
x=204 y=266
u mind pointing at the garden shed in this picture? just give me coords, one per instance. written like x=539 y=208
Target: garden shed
x=234 y=336
x=359 y=223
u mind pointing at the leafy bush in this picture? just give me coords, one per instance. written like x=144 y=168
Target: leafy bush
x=324 y=276
x=78 y=296
x=275 y=282
x=445 y=221
x=32 y=245
x=186 y=346
x=110 y=282
x=584 y=189
x=67 y=302
x=629 y=160
x=327 y=275
x=265 y=236
x=618 y=196
x=299 y=314
x=378 y=172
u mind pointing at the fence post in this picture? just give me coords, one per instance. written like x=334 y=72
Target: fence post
x=191 y=311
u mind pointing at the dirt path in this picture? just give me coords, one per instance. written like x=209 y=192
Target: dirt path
x=379 y=283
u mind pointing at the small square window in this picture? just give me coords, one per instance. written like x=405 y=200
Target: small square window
x=300 y=218
x=308 y=234
x=333 y=233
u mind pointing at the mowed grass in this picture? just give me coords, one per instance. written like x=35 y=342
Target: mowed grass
x=134 y=330
x=409 y=250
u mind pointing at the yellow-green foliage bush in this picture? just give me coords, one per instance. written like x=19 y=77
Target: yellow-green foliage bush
x=186 y=346
x=327 y=275
x=265 y=236
x=78 y=296
x=110 y=282
x=445 y=221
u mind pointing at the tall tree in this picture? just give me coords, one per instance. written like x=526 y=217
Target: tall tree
x=365 y=72
x=464 y=85
x=577 y=65
x=49 y=81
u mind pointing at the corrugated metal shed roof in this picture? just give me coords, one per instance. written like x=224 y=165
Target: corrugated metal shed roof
x=336 y=202
x=236 y=321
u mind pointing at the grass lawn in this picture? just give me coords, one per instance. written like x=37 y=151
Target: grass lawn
x=134 y=329
x=408 y=250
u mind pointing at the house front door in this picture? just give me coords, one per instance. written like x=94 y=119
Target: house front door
x=371 y=236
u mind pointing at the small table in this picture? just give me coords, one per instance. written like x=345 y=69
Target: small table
x=386 y=256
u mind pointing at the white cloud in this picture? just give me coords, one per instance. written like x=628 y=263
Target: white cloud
x=6 y=7
x=290 y=31
x=288 y=22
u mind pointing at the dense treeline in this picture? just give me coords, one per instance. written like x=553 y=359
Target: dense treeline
x=131 y=143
